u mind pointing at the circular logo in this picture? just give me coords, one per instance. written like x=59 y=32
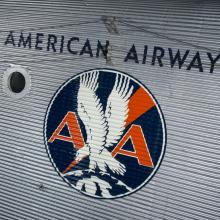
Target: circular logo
x=105 y=133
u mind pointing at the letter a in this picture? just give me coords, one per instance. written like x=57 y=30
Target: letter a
x=75 y=137
x=141 y=151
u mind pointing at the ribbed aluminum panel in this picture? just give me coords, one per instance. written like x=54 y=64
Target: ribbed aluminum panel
x=187 y=185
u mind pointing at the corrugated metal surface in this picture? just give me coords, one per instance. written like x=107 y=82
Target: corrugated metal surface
x=187 y=185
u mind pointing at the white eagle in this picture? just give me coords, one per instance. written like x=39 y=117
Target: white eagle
x=103 y=128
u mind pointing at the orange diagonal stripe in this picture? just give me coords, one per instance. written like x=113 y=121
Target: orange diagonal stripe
x=138 y=104
x=73 y=163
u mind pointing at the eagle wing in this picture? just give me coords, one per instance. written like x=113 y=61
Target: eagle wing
x=117 y=109
x=90 y=110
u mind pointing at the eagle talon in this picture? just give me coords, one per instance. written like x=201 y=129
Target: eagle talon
x=104 y=174
x=88 y=172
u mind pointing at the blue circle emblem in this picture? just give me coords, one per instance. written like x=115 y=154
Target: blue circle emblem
x=105 y=133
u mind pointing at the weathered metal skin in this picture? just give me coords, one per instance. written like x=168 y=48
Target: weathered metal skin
x=53 y=41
